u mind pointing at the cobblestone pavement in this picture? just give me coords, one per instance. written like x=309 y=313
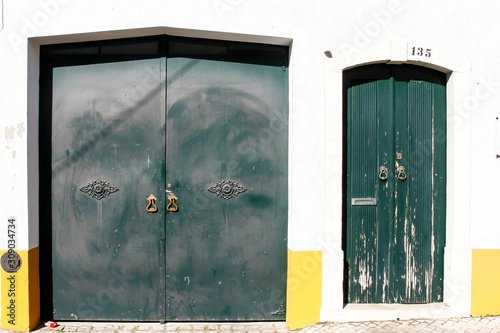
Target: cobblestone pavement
x=483 y=325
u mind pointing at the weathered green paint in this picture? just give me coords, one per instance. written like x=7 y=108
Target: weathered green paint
x=226 y=259
x=108 y=254
x=189 y=123
x=394 y=250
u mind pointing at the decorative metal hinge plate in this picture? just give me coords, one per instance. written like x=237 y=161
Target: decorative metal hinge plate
x=99 y=189
x=227 y=189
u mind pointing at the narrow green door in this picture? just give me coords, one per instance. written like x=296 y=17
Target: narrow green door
x=395 y=184
x=169 y=184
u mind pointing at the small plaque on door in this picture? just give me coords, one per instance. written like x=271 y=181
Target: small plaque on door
x=399 y=156
x=364 y=201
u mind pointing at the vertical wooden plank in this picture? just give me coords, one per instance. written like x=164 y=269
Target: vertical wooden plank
x=362 y=249
x=400 y=221
x=439 y=188
x=424 y=235
x=385 y=190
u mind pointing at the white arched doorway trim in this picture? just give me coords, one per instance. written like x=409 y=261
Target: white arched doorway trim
x=457 y=255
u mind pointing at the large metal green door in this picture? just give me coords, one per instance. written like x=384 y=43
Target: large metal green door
x=108 y=148
x=169 y=189
x=395 y=184
x=227 y=167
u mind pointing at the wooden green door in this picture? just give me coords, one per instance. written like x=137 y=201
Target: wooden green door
x=395 y=184
x=169 y=188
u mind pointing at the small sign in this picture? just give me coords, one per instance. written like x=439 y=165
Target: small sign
x=11 y=261
x=399 y=156
x=419 y=51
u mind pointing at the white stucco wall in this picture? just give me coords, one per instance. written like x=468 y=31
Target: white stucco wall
x=465 y=28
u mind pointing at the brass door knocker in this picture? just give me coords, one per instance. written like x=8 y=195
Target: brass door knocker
x=151 y=207
x=401 y=173
x=383 y=173
x=172 y=206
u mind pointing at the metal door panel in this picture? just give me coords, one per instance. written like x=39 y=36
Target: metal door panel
x=222 y=149
x=227 y=165
x=108 y=151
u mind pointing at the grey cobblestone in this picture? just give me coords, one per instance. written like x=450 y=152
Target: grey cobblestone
x=466 y=325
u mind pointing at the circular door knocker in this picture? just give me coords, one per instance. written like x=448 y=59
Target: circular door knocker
x=383 y=173
x=401 y=173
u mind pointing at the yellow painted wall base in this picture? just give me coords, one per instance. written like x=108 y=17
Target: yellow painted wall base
x=304 y=288
x=485 y=282
x=21 y=294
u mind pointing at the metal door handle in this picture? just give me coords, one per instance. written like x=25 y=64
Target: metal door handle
x=151 y=207
x=401 y=173
x=383 y=173
x=172 y=206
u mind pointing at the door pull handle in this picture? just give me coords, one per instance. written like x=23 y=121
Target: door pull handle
x=172 y=206
x=401 y=173
x=151 y=207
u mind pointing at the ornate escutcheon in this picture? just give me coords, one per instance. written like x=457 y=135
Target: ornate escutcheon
x=151 y=207
x=172 y=206
x=227 y=189
x=99 y=189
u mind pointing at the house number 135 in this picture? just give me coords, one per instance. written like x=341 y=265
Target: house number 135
x=419 y=51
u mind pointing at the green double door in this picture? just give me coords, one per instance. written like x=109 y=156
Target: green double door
x=395 y=184
x=169 y=190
